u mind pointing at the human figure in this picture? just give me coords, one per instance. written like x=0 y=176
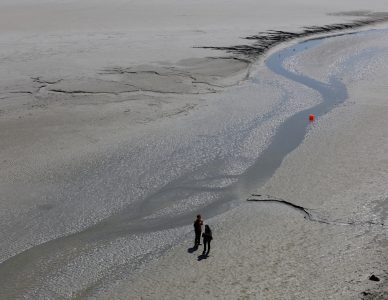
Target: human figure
x=198 y=230
x=207 y=237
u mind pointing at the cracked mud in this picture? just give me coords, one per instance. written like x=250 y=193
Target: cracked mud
x=195 y=76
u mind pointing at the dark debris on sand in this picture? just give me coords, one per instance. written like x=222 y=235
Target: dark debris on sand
x=380 y=291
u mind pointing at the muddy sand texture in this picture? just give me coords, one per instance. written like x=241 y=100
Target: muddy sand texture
x=317 y=228
x=79 y=86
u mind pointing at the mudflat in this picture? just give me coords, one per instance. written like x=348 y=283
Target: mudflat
x=317 y=228
x=120 y=121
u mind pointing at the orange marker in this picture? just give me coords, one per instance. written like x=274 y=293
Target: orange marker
x=311 y=117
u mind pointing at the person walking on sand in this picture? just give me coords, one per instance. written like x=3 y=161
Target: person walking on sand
x=198 y=230
x=207 y=237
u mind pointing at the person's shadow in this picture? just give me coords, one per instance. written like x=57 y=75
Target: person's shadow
x=202 y=256
x=192 y=249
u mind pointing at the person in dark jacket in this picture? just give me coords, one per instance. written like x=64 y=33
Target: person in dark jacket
x=207 y=237
x=198 y=230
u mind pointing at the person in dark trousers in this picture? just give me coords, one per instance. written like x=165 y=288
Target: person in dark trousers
x=207 y=237
x=198 y=230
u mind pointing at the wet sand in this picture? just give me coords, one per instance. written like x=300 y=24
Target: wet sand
x=271 y=249
x=115 y=131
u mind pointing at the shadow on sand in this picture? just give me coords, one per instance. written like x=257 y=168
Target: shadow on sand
x=202 y=256
x=192 y=249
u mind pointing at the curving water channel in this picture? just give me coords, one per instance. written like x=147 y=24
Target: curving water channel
x=27 y=270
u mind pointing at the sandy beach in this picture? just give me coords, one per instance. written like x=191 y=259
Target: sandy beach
x=120 y=121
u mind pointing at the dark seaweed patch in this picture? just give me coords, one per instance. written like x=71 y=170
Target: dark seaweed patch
x=268 y=39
